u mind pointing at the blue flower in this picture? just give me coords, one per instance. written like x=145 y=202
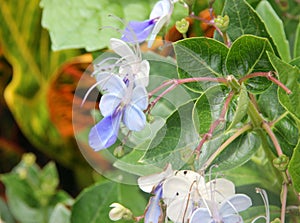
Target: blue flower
x=124 y=101
x=153 y=211
x=137 y=31
x=226 y=212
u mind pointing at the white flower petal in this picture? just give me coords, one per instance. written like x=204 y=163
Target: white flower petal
x=113 y=84
x=217 y=190
x=122 y=49
x=147 y=183
x=140 y=97
x=142 y=75
x=134 y=118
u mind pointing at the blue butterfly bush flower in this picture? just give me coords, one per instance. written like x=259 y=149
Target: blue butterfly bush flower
x=124 y=95
x=140 y=30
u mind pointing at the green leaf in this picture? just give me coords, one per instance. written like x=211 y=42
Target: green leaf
x=5 y=213
x=275 y=28
x=208 y=107
x=60 y=214
x=297 y=42
x=238 y=152
x=21 y=201
x=200 y=57
x=244 y=20
x=241 y=108
x=87 y=24
x=289 y=76
x=295 y=62
x=247 y=55
x=174 y=141
x=92 y=205
x=294 y=168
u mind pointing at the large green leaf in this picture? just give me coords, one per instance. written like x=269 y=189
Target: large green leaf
x=239 y=151
x=174 y=141
x=200 y=57
x=275 y=28
x=87 y=24
x=294 y=167
x=284 y=126
x=92 y=205
x=289 y=76
x=244 y=20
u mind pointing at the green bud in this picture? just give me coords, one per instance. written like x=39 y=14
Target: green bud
x=150 y=118
x=119 y=151
x=281 y=162
x=233 y=83
x=222 y=22
x=276 y=220
x=182 y=26
x=29 y=159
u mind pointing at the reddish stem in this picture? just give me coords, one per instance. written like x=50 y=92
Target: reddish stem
x=175 y=82
x=214 y=125
x=269 y=76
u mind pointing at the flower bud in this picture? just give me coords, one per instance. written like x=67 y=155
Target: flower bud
x=119 y=151
x=222 y=22
x=29 y=159
x=182 y=26
x=281 y=162
x=119 y=212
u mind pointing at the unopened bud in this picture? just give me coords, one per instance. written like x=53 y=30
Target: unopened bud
x=281 y=162
x=222 y=22
x=29 y=159
x=276 y=220
x=119 y=151
x=119 y=212
x=182 y=26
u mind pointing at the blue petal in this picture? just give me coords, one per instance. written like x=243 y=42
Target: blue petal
x=235 y=204
x=232 y=219
x=134 y=118
x=201 y=215
x=153 y=210
x=140 y=97
x=105 y=133
x=137 y=31
x=109 y=103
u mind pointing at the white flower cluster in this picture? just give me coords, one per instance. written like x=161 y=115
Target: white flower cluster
x=187 y=198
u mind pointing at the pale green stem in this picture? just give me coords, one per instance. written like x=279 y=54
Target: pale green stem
x=226 y=143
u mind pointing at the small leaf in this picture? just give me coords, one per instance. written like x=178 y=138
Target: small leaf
x=297 y=42
x=247 y=55
x=244 y=20
x=275 y=28
x=242 y=107
x=60 y=214
x=294 y=167
x=200 y=57
x=238 y=152
x=289 y=76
